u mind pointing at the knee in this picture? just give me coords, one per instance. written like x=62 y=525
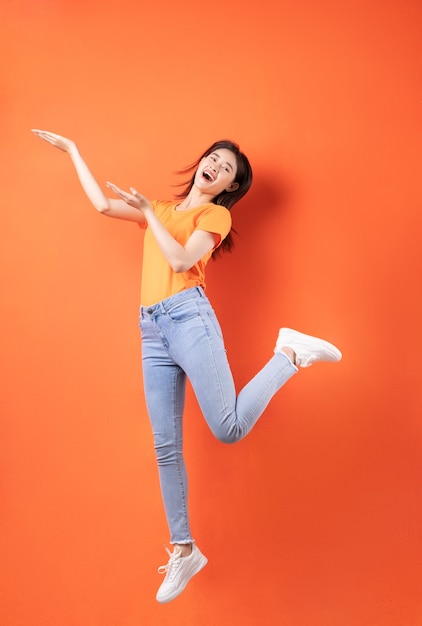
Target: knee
x=167 y=451
x=228 y=437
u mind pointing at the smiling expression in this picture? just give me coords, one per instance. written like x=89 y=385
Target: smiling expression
x=216 y=172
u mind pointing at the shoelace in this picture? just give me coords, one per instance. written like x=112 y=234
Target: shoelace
x=172 y=567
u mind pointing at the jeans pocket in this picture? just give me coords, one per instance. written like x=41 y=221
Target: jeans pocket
x=183 y=312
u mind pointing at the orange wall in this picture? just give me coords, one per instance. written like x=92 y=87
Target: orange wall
x=314 y=520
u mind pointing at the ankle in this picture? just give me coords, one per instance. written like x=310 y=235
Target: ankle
x=185 y=549
x=290 y=353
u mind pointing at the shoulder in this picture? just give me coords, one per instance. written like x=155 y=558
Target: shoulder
x=214 y=218
x=213 y=209
x=215 y=212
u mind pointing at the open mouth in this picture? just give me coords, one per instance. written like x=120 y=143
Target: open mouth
x=207 y=176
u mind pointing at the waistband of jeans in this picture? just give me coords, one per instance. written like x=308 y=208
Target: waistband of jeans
x=168 y=303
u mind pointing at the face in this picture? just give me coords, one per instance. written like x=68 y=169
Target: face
x=216 y=173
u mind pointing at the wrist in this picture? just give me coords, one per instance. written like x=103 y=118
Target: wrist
x=73 y=151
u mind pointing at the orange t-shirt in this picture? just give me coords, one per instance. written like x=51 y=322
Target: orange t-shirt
x=159 y=281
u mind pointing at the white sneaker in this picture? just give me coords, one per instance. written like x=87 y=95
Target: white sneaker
x=179 y=570
x=308 y=349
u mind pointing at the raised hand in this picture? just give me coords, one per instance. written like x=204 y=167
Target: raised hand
x=133 y=199
x=58 y=141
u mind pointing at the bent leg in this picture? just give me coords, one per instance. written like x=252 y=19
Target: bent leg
x=204 y=360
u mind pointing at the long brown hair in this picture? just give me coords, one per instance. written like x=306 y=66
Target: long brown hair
x=225 y=198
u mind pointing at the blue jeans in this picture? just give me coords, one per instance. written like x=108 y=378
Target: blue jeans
x=181 y=337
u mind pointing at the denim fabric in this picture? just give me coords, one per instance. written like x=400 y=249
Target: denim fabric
x=181 y=337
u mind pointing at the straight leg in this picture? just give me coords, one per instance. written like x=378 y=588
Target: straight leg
x=164 y=386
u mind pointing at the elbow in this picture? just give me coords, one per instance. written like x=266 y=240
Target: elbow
x=179 y=266
x=102 y=207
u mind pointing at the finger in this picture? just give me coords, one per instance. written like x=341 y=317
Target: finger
x=50 y=137
x=136 y=193
x=53 y=138
x=117 y=189
x=119 y=192
x=52 y=142
x=112 y=186
x=40 y=133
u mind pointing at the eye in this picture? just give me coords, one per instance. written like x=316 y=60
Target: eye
x=213 y=158
x=226 y=169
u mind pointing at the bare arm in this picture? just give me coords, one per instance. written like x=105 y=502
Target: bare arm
x=112 y=208
x=180 y=258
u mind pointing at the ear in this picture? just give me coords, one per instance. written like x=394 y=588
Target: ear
x=232 y=187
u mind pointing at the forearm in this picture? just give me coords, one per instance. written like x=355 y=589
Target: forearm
x=114 y=208
x=173 y=251
x=180 y=258
x=90 y=186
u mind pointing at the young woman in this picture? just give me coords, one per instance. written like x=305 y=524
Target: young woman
x=181 y=337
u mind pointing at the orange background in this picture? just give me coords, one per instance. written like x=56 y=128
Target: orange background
x=314 y=519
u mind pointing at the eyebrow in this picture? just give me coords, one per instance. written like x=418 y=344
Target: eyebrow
x=226 y=162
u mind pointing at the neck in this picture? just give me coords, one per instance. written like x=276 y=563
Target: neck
x=194 y=199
